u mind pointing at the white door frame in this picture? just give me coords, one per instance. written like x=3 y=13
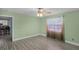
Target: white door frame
x=12 y=24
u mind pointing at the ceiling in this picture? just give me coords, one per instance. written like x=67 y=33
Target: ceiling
x=33 y=11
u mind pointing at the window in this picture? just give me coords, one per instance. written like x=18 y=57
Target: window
x=55 y=24
x=4 y=22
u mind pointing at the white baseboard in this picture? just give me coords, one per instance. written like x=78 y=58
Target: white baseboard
x=29 y=37
x=43 y=35
x=73 y=43
x=25 y=37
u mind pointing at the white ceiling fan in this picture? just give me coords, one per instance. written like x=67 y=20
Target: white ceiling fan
x=42 y=12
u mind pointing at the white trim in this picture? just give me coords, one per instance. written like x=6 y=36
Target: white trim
x=25 y=37
x=73 y=43
x=12 y=28
x=43 y=35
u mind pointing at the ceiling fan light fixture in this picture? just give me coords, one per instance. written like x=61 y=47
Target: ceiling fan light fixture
x=41 y=10
x=39 y=14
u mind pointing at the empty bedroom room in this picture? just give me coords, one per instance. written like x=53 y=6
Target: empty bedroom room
x=39 y=29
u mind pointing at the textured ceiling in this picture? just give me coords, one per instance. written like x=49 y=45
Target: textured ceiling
x=33 y=11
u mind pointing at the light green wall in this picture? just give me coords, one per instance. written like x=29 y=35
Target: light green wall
x=71 y=25
x=71 y=21
x=43 y=25
x=23 y=25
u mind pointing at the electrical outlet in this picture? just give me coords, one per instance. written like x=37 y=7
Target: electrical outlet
x=72 y=39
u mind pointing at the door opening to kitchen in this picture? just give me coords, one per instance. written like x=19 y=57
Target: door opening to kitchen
x=5 y=32
x=55 y=28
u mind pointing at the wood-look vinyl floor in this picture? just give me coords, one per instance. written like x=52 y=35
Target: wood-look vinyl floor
x=35 y=43
x=5 y=42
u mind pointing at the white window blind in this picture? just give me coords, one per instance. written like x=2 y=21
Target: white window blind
x=55 y=24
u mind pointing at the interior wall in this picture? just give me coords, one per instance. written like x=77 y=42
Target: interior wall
x=24 y=25
x=71 y=26
x=43 y=25
x=71 y=21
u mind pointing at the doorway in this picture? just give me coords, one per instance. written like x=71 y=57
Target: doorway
x=5 y=32
x=55 y=28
